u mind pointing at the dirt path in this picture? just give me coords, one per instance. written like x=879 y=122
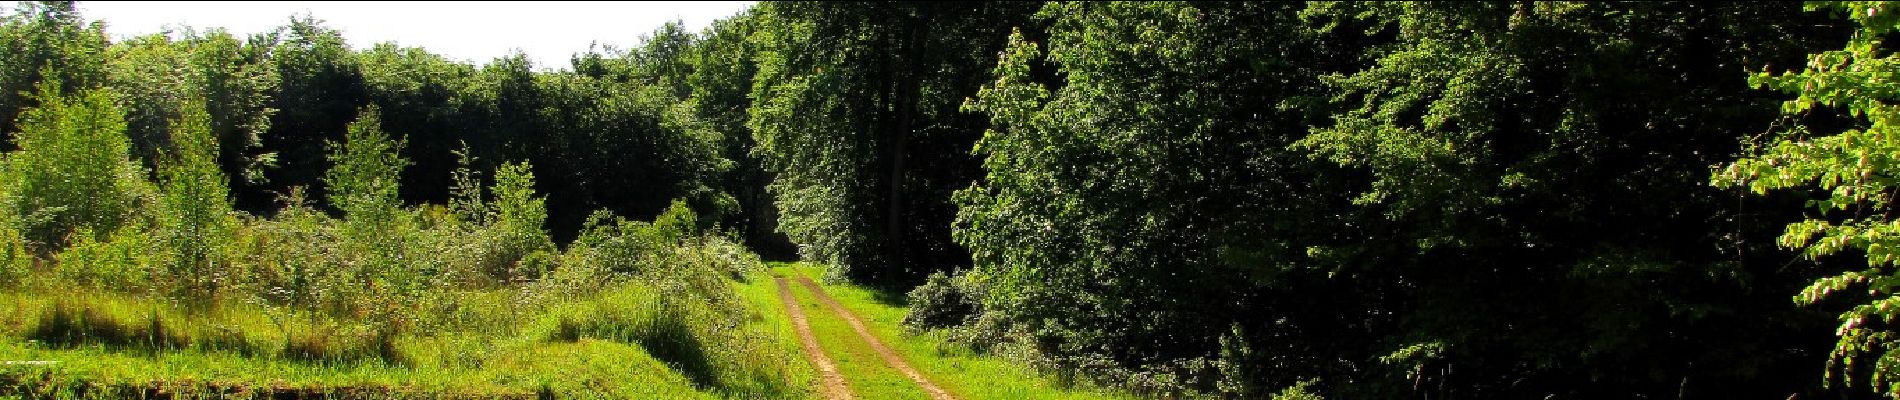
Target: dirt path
x=890 y=357
x=834 y=387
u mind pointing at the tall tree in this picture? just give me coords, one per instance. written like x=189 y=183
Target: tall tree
x=724 y=64
x=1535 y=212
x=321 y=86
x=864 y=145
x=1141 y=213
x=1851 y=165
x=40 y=37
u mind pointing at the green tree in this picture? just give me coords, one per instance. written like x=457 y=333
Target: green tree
x=1139 y=200
x=724 y=64
x=427 y=98
x=320 y=88
x=865 y=147
x=73 y=170
x=194 y=214
x=365 y=166
x=46 y=40
x=1853 y=168
x=1536 y=209
x=158 y=74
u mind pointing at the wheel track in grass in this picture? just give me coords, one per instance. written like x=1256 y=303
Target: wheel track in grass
x=890 y=357
x=833 y=382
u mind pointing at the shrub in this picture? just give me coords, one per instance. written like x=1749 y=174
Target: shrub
x=15 y=260
x=117 y=262
x=354 y=343
x=1299 y=391
x=938 y=303
x=519 y=215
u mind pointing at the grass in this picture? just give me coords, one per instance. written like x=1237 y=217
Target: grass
x=626 y=343
x=966 y=375
x=705 y=339
x=866 y=373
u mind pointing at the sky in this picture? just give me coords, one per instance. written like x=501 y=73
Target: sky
x=548 y=31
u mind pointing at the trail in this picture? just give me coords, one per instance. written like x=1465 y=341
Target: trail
x=890 y=357
x=834 y=387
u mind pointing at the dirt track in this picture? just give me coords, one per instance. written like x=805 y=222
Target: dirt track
x=890 y=357
x=833 y=382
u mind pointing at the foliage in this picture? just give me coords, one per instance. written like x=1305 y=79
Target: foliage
x=362 y=180
x=73 y=170
x=193 y=215
x=1174 y=199
x=46 y=41
x=1849 y=167
x=1137 y=175
x=519 y=214
x=938 y=303
x=864 y=148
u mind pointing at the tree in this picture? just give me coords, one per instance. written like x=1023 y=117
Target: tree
x=724 y=64
x=1853 y=168
x=1535 y=212
x=46 y=41
x=864 y=147
x=365 y=166
x=1140 y=205
x=194 y=217
x=320 y=88
x=73 y=170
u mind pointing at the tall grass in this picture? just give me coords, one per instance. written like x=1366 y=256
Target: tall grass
x=429 y=293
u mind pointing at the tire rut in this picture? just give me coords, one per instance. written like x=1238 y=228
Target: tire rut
x=833 y=382
x=890 y=357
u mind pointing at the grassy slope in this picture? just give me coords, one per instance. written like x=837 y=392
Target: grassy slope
x=504 y=365
x=965 y=375
x=568 y=369
x=522 y=367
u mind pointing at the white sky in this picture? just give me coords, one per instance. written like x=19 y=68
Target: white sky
x=548 y=31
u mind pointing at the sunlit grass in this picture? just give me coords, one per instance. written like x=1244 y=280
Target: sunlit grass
x=963 y=374
x=240 y=347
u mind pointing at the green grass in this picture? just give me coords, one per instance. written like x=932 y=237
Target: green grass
x=866 y=373
x=619 y=343
x=768 y=314
x=565 y=369
x=954 y=368
x=699 y=356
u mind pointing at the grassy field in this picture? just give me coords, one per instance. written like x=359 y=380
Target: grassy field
x=242 y=350
x=83 y=343
x=963 y=374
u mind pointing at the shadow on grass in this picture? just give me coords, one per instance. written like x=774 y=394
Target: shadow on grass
x=671 y=341
x=889 y=296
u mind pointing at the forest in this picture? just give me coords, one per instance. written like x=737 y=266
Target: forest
x=1174 y=200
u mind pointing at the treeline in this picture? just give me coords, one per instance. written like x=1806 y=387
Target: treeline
x=1364 y=200
x=615 y=131
x=1239 y=199
x=283 y=201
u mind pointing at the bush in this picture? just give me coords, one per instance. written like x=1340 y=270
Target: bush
x=117 y=262
x=15 y=260
x=938 y=303
x=1299 y=391
x=519 y=214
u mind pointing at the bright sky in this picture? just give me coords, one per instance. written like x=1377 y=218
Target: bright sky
x=548 y=31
